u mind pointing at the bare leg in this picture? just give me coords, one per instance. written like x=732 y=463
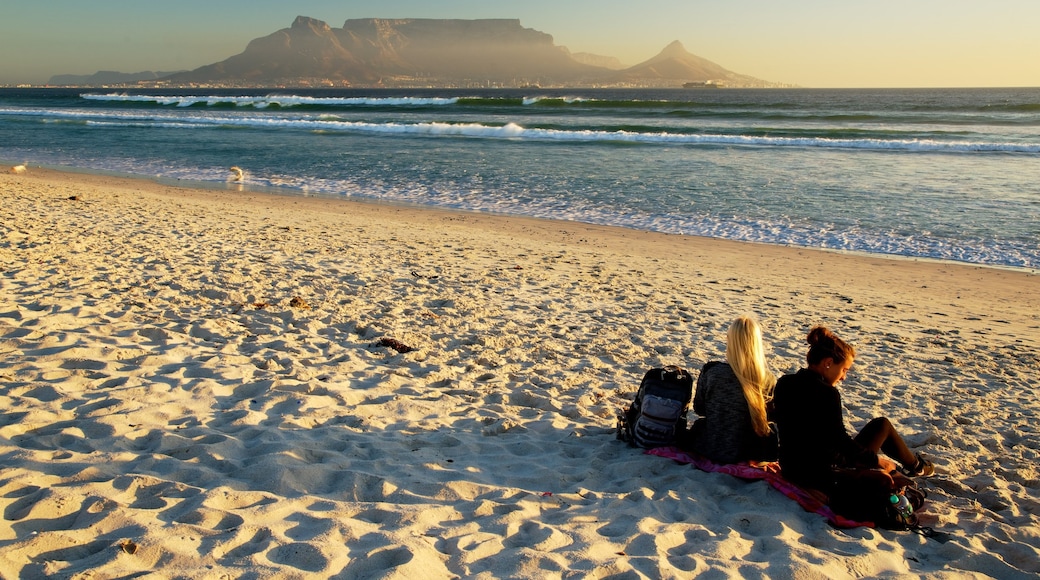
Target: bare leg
x=880 y=435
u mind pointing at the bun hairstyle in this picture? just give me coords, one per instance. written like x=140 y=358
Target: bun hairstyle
x=825 y=344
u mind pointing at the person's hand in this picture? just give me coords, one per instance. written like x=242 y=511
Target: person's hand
x=900 y=481
x=890 y=468
x=886 y=464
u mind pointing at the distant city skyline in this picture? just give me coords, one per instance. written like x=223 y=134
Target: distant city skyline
x=812 y=43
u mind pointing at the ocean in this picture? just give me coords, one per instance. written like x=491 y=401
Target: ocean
x=947 y=174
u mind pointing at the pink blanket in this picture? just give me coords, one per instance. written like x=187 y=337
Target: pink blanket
x=767 y=471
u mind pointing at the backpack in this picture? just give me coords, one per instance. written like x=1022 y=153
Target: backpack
x=882 y=506
x=657 y=415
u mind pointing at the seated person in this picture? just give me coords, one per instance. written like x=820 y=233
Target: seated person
x=815 y=449
x=731 y=399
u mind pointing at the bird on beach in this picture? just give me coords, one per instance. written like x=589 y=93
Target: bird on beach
x=236 y=173
x=18 y=169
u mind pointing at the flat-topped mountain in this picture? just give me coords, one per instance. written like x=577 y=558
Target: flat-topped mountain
x=415 y=51
x=419 y=52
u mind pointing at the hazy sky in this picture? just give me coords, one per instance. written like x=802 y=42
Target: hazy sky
x=813 y=43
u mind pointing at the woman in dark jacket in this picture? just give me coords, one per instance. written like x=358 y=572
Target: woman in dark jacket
x=815 y=449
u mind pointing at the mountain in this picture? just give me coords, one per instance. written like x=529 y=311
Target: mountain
x=496 y=50
x=107 y=77
x=402 y=51
x=416 y=52
x=308 y=49
x=674 y=65
x=609 y=62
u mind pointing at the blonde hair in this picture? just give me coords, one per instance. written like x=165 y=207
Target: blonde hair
x=746 y=356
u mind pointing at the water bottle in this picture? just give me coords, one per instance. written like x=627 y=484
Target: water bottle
x=902 y=506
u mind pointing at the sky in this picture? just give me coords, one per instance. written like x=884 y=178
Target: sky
x=810 y=43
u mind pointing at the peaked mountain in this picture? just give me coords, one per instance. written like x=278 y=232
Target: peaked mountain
x=415 y=52
x=675 y=65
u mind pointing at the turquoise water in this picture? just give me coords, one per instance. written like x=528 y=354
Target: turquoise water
x=947 y=174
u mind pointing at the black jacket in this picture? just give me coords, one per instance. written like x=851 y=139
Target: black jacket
x=813 y=439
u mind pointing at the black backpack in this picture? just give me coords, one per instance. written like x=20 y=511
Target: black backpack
x=866 y=502
x=657 y=415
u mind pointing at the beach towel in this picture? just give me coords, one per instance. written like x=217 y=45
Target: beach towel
x=769 y=471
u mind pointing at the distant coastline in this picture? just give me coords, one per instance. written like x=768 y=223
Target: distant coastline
x=702 y=85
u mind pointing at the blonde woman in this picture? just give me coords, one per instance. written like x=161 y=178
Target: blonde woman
x=731 y=399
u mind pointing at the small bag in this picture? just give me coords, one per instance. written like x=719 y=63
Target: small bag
x=658 y=413
x=898 y=517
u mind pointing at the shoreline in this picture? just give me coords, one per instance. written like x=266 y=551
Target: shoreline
x=242 y=188
x=976 y=288
x=204 y=381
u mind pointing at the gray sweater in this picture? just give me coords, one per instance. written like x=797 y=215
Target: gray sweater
x=724 y=433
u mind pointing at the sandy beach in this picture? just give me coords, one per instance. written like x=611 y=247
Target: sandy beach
x=230 y=384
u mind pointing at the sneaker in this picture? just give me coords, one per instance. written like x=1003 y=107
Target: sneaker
x=924 y=468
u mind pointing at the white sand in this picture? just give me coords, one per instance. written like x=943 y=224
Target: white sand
x=153 y=418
